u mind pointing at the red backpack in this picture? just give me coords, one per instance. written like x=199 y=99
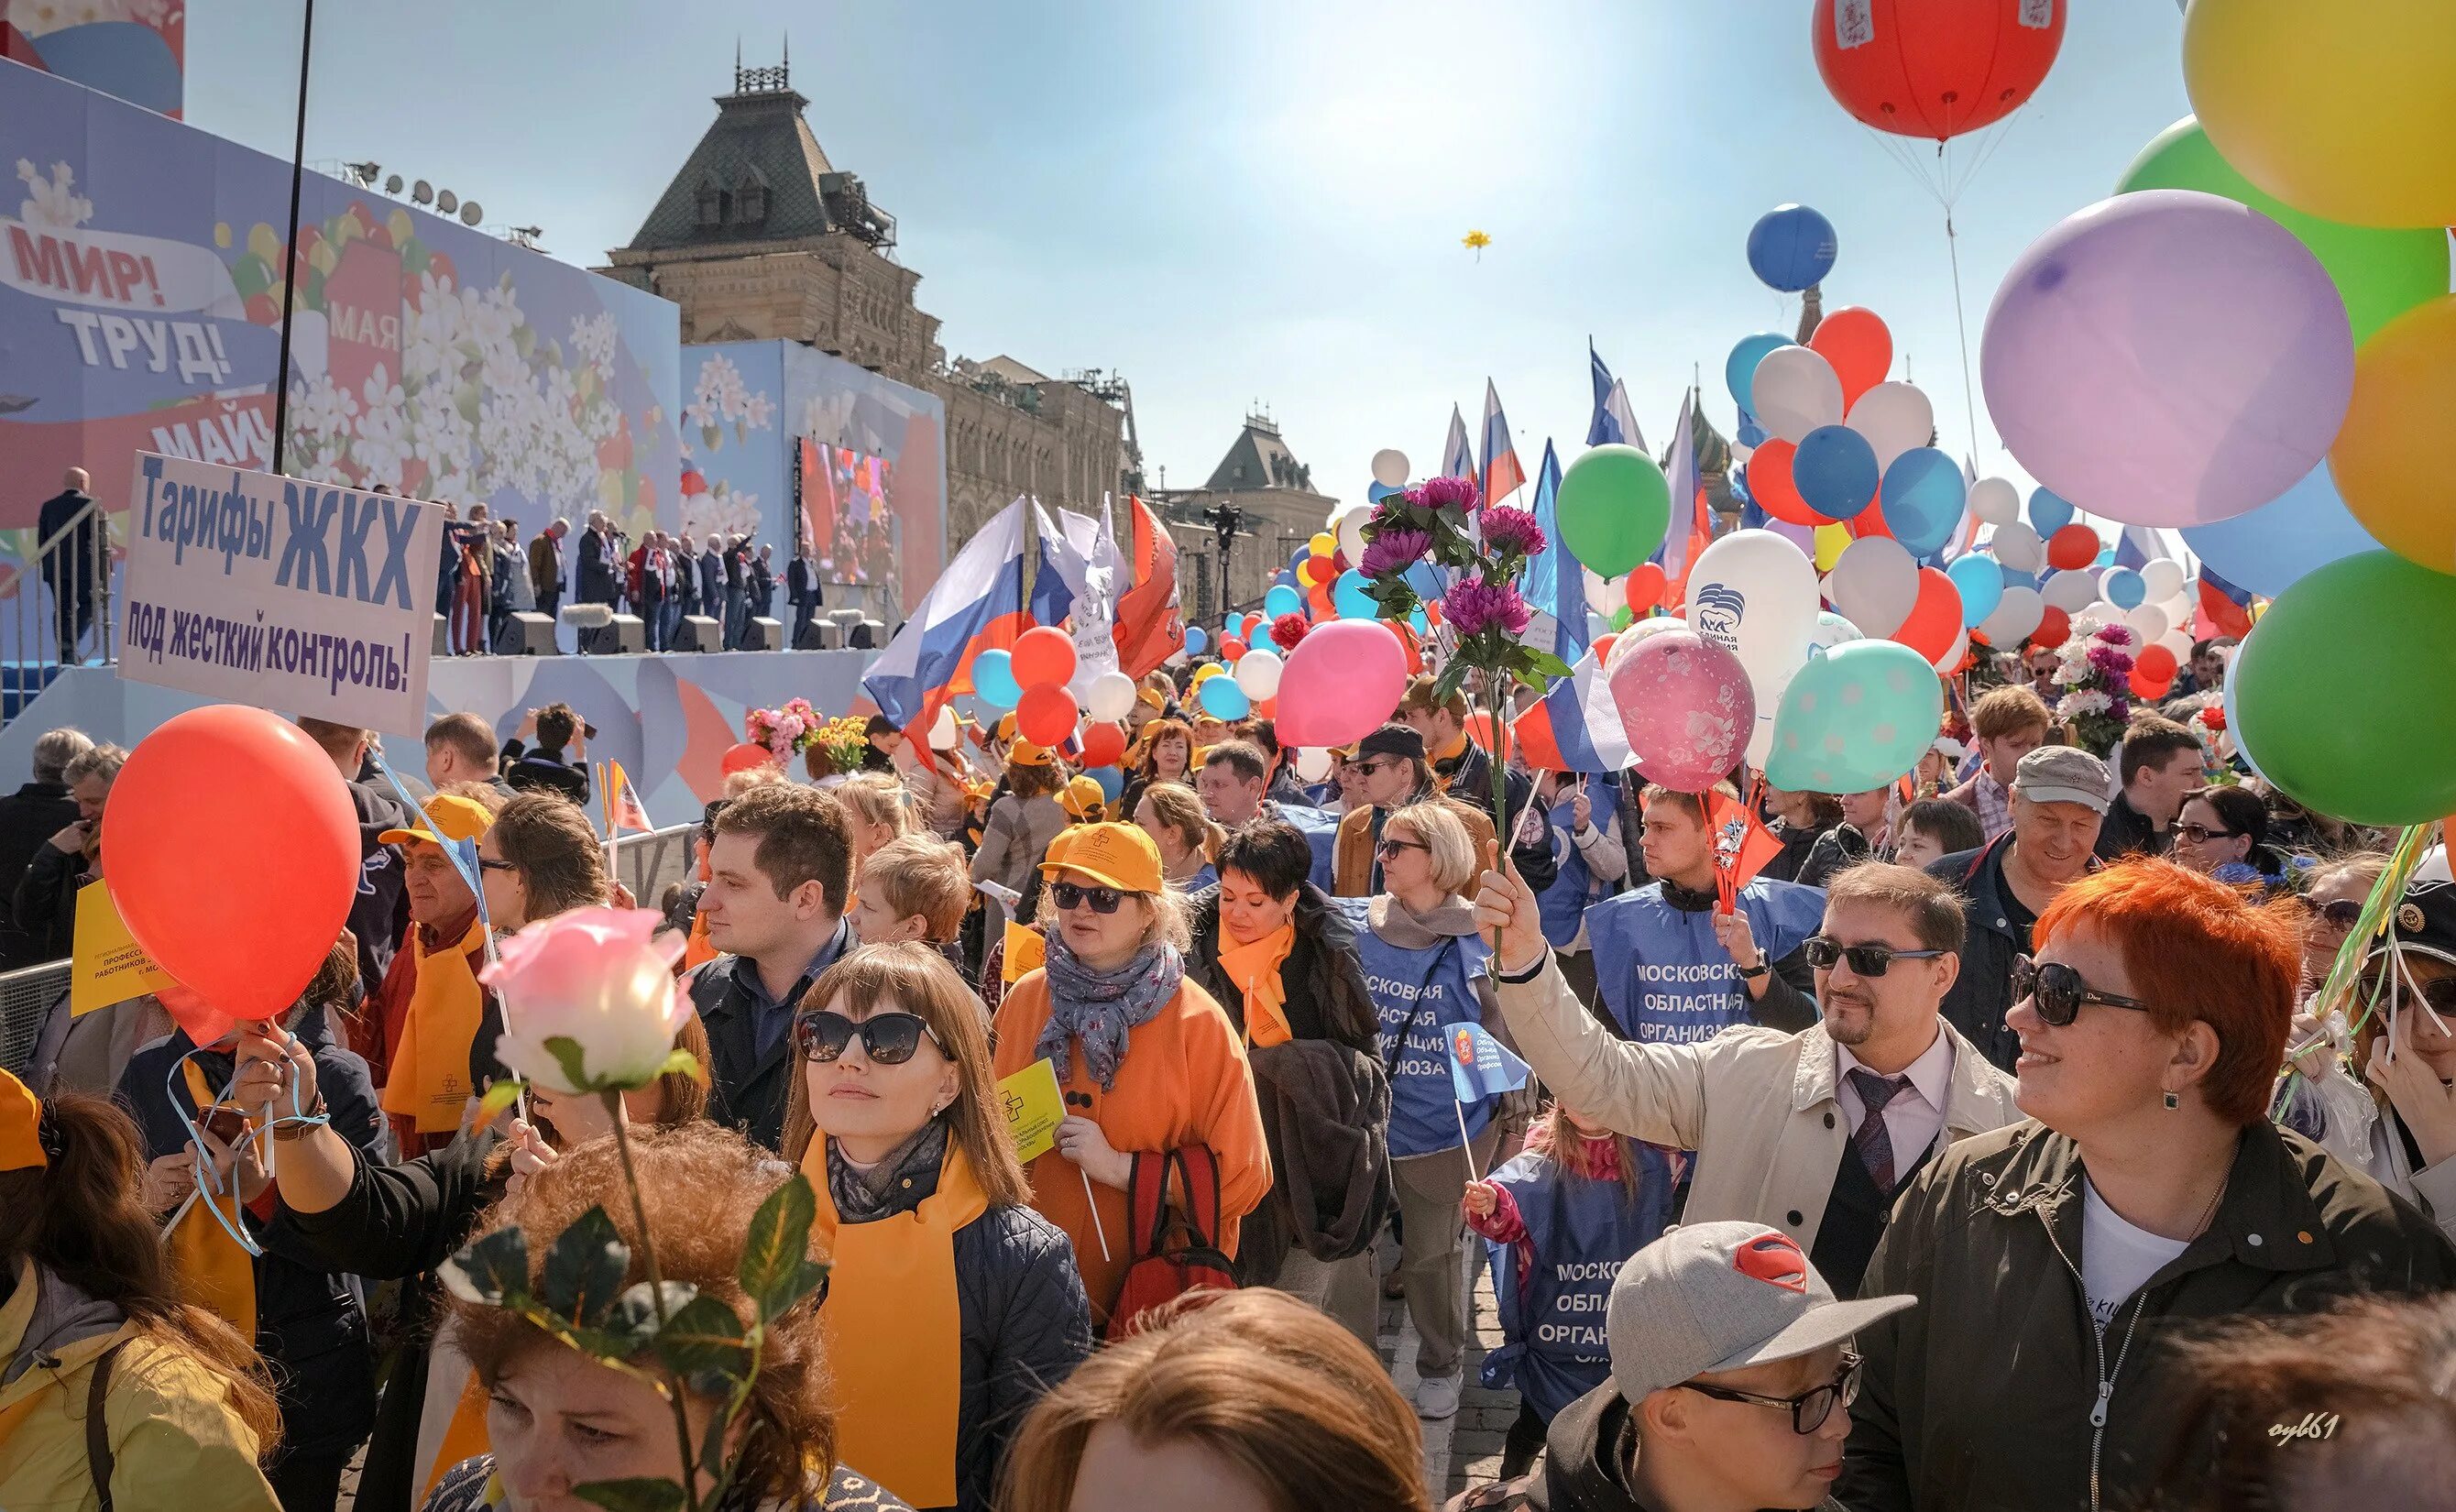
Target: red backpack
x=1175 y=1253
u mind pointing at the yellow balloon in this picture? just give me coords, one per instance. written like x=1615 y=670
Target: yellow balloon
x=1831 y=540
x=1206 y=669
x=1322 y=544
x=2343 y=109
x=2389 y=460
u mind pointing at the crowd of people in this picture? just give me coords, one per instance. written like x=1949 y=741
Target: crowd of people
x=1996 y=1144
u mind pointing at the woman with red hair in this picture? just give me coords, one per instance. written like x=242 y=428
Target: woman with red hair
x=2149 y=1191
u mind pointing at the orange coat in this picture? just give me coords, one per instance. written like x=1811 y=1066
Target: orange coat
x=1183 y=1081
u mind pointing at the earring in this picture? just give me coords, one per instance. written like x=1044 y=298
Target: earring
x=2173 y=1102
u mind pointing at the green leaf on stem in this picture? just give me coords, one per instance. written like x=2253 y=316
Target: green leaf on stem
x=1544 y=665
x=682 y=1062
x=499 y=1096
x=1452 y=678
x=493 y=1272
x=633 y=1493
x=704 y=1340
x=584 y=1269
x=776 y=1269
x=573 y=1060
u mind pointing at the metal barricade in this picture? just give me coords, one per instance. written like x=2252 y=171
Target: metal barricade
x=646 y=863
x=27 y=998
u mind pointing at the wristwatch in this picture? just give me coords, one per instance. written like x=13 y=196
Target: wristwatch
x=1749 y=973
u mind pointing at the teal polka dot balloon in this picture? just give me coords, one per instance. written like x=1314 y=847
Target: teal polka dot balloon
x=1858 y=715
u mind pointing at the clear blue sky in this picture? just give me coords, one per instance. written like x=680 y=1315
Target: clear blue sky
x=1252 y=201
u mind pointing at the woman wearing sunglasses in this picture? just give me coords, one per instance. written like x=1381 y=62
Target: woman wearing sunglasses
x=1148 y=1062
x=2334 y=893
x=2150 y=1191
x=2223 y=832
x=952 y=1306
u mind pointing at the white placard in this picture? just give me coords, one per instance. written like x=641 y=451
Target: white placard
x=301 y=597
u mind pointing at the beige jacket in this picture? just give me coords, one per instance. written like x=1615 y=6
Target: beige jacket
x=1758 y=1104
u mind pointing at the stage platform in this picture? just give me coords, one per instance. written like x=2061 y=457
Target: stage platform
x=668 y=718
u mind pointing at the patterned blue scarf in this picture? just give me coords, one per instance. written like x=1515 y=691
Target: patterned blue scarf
x=1095 y=1008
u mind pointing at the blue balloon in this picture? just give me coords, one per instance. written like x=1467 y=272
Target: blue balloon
x=1792 y=247
x=1740 y=368
x=1282 y=599
x=1980 y=585
x=2106 y=556
x=2048 y=512
x=1352 y=596
x=1221 y=696
x=1299 y=555
x=1375 y=493
x=2016 y=577
x=1112 y=781
x=1426 y=580
x=1923 y=493
x=993 y=679
x=2266 y=550
x=2123 y=588
x=1752 y=434
x=1416 y=623
x=1836 y=471
x=1195 y=641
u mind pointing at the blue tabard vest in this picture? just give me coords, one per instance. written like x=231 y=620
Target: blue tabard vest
x=1663 y=976
x=1581 y=1230
x=1565 y=902
x=1418 y=994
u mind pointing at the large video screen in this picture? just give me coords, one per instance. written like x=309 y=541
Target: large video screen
x=849 y=509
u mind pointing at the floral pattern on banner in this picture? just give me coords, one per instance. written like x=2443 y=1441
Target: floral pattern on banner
x=2094 y=670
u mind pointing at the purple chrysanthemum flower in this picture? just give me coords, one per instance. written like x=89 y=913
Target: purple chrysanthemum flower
x=1391 y=551
x=1508 y=529
x=1474 y=605
x=1448 y=493
x=2118 y=635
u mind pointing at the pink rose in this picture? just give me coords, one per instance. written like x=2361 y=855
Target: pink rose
x=599 y=978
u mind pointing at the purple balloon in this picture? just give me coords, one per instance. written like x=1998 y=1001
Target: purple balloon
x=2168 y=358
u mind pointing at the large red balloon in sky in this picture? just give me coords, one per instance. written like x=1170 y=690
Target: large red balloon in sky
x=1935 y=68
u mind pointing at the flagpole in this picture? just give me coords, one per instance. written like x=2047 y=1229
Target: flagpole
x=1467 y=1146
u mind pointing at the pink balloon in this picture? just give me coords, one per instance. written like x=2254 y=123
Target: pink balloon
x=1686 y=705
x=1341 y=683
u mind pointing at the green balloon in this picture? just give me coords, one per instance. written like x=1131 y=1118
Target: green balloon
x=2381 y=274
x=1623 y=618
x=2341 y=693
x=1614 y=505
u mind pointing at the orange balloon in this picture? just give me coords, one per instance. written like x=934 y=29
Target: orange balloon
x=2144 y=685
x=1861 y=350
x=1043 y=657
x=1934 y=618
x=1770 y=485
x=2072 y=548
x=1103 y=744
x=1231 y=648
x=1870 y=522
x=746 y=757
x=2155 y=664
x=1603 y=645
x=1645 y=587
x=1046 y=716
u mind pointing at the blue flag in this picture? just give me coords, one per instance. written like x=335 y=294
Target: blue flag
x=1555 y=581
x=1481 y=1066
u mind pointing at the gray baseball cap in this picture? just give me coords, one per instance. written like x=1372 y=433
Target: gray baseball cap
x=2064 y=775
x=1711 y=1297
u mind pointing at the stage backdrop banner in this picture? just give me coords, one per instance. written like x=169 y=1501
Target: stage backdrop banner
x=284 y=593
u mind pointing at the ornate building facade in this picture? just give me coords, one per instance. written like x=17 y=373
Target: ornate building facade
x=1266 y=496
x=760 y=236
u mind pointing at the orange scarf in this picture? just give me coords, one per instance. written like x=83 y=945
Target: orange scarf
x=429 y=1080
x=1254 y=969
x=213 y=1273
x=894 y=1330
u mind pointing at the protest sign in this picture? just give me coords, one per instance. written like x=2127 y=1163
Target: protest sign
x=280 y=592
x=108 y=966
x=1033 y=1108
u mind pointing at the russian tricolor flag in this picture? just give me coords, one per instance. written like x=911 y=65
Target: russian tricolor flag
x=978 y=605
x=1693 y=527
x=1458 y=458
x=1501 y=474
x=1575 y=727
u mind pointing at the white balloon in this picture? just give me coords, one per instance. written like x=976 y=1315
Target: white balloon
x=2103 y=612
x=1993 y=500
x=2160 y=579
x=1602 y=596
x=944 y=732
x=2178 y=641
x=1643 y=630
x=1390 y=467
x=1794 y=392
x=1313 y=763
x=2178 y=609
x=2150 y=621
x=2018 y=548
x=1110 y=697
x=1832 y=629
x=1895 y=417
x=1349 y=526
x=1952 y=657
x=2016 y=614
x=1875 y=583
x=1258 y=674
x=1755 y=593
x=2070 y=591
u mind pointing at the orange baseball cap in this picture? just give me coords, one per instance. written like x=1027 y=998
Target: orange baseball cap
x=21 y=1127
x=1119 y=856
x=448 y=814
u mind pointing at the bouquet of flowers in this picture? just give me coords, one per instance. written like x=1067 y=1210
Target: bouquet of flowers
x=1443 y=520
x=841 y=738
x=786 y=731
x=2096 y=674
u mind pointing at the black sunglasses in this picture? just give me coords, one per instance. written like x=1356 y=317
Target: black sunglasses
x=1069 y=895
x=1390 y=848
x=2202 y=834
x=887 y=1039
x=1866 y=960
x=2057 y=992
x=2440 y=994
x=2340 y=914
x=1809 y=1409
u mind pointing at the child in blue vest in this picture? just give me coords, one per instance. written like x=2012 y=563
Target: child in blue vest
x=1558 y=1220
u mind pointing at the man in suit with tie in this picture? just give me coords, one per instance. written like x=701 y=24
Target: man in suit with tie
x=597 y=561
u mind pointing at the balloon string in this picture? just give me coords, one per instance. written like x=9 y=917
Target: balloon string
x=1961 y=321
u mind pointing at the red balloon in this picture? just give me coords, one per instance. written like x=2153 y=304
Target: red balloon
x=1043 y=657
x=1046 y=716
x=2073 y=547
x=1231 y=649
x=2054 y=628
x=2156 y=662
x=1935 y=68
x=233 y=852
x=746 y=757
x=1868 y=521
x=2144 y=685
x=1934 y=618
x=1479 y=728
x=1103 y=744
x=1861 y=350
x=1770 y=485
x=1603 y=645
x=1646 y=585
x=203 y=1023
